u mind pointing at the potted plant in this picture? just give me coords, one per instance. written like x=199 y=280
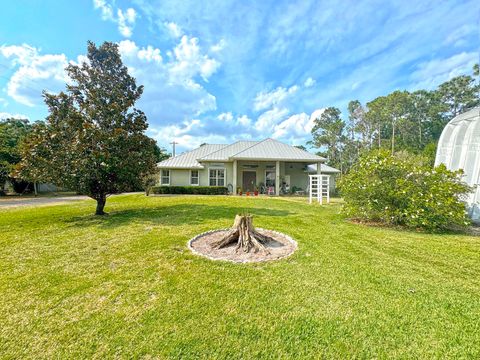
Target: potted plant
x=255 y=192
x=248 y=193
x=239 y=191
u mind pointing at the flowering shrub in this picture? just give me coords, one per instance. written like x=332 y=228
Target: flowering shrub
x=404 y=191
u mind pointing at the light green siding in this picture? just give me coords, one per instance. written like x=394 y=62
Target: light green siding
x=259 y=170
x=181 y=177
x=295 y=170
x=298 y=175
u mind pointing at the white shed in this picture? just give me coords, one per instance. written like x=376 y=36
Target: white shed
x=459 y=148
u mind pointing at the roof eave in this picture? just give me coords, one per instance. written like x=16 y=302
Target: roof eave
x=309 y=161
x=180 y=167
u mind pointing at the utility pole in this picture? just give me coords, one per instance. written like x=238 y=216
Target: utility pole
x=173 y=145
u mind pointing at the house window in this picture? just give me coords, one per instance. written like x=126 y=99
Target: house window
x=194 y=178
x=216 y=177
x=270 y=176
x=165 y=178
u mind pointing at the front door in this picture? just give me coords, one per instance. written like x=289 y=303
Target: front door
x=249 y=180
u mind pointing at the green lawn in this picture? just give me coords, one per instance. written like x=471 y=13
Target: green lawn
x=76 y=285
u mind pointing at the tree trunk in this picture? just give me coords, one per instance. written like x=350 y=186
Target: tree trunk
x=244 y=234
x=379 y=137
x=101 y=200
x=393 y=138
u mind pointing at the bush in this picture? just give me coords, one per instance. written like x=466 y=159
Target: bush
x=192 y=190
x=404 y=190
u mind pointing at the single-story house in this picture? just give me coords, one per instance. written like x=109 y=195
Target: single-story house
x=245 y=165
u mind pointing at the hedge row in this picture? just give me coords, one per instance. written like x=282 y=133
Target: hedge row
x=194 y=190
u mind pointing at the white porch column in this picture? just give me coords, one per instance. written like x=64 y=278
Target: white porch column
x=234 y=180
x=277 y=178
x=319 y=168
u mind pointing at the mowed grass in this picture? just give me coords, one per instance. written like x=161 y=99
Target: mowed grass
x=125 y=285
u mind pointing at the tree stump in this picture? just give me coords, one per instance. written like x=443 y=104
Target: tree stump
x=244 y=234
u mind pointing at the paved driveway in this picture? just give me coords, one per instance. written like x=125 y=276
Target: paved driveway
x=17 y=201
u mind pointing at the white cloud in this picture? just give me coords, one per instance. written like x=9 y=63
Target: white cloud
x=150 y=54
x=171 y=92
x=294 y=124
x=309 y=82
x=19 y=54
x=33 y=73
x=174 y=30
x=5 y=115
x=432 y=73
x=315 y=115
x=105 y=8
x=189 y=61
x=297 y=125
x=264 y=100
x=244 y=120
x=218 y=46
x=182 y=135
x=125 y=19
x=267 y=120
x=457 y=37
x=179 y=133
x=227 y=117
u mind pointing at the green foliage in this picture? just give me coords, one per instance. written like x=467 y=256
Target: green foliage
x=327 y=132
x=301 y=147
x=12 y=132
x=161 y=153
x=459 y=94
x=190 y=190
x=430 y=152
x=93 y=141
x=398 y=121
x=403 y=190
x=149 y=181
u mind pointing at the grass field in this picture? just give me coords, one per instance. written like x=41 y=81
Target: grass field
x=125 y=285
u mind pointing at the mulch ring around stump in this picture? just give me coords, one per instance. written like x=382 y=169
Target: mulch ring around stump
x=282 y=246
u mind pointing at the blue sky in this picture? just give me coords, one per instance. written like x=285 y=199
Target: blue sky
x=220 y=71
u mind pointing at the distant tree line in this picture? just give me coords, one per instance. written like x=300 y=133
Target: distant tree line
x=399 y=121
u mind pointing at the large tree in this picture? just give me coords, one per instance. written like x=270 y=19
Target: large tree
x=460 y=94
x=389 y=111
x=93 y=140
x=327 y=132
x=12 y=132
x=161 y=153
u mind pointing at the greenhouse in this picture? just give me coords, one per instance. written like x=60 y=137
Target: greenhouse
x=459 y=148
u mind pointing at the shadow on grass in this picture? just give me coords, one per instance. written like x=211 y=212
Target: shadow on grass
x=179 y=215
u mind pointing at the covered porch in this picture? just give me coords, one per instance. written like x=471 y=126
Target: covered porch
x=274 y=177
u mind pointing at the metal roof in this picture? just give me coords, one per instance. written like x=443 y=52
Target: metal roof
x=265 y=150
x=188 y=160
x=270 y=149
x=324 y=168
x=228 y=151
